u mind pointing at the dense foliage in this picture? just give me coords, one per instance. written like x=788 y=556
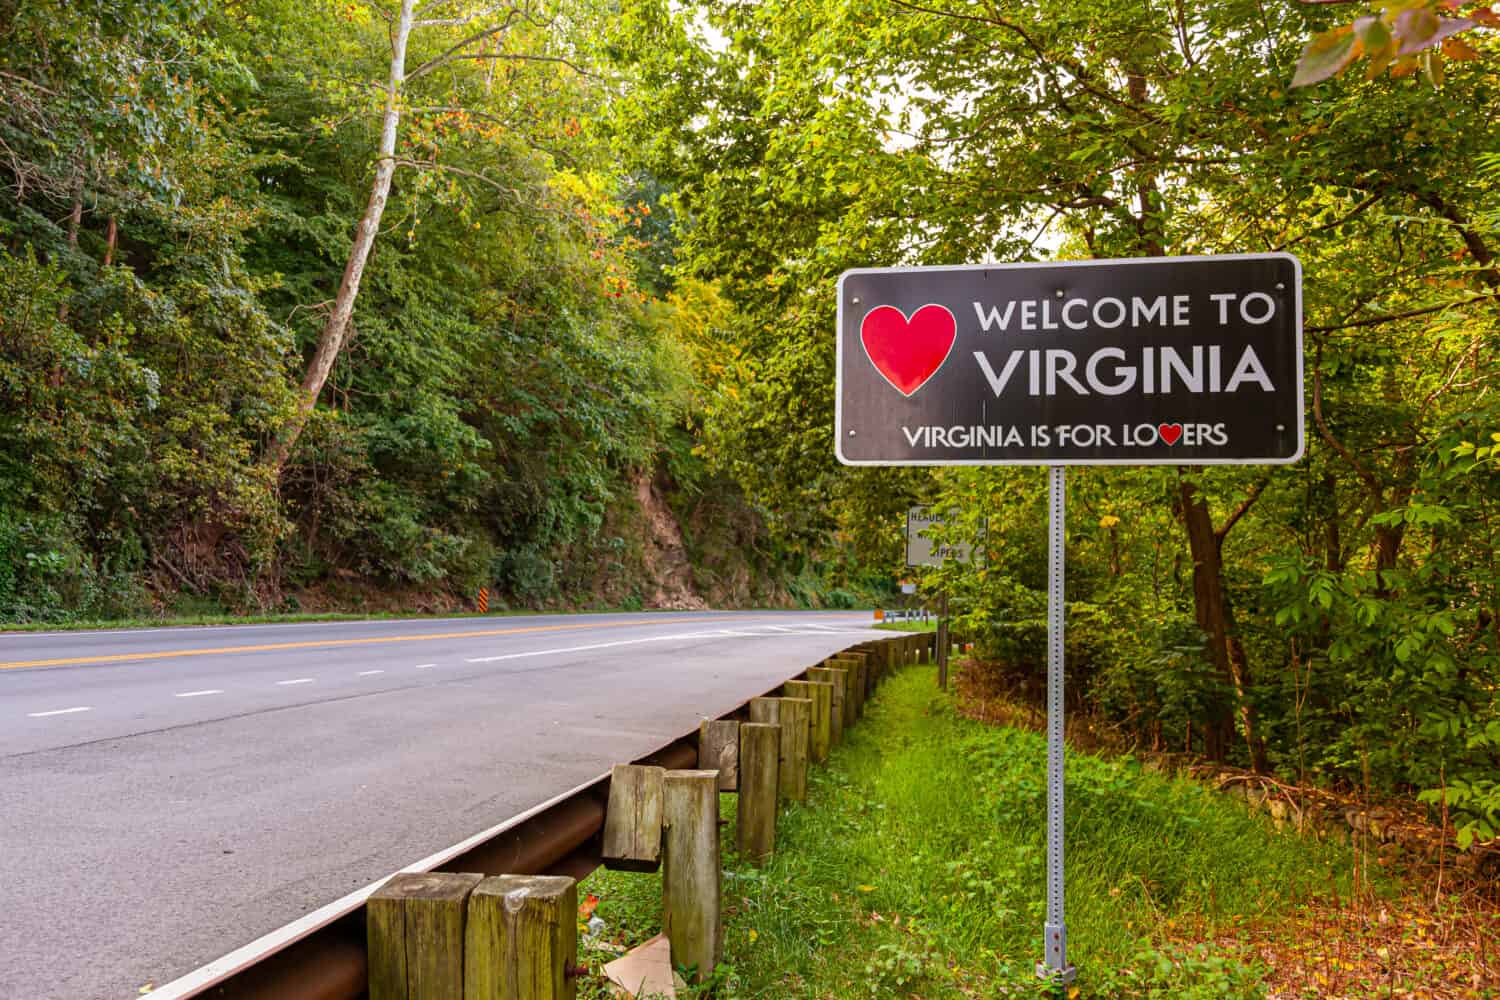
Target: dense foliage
x=180 y=184
x=434 y=296
x=1336 y=620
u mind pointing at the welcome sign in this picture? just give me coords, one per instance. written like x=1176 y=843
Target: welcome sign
x=1149 y=361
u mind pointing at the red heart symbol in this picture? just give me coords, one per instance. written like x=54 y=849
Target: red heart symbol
x=1169 y=432
x=908 y=352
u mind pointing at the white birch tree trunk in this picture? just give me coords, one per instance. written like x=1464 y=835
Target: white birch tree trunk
x=331 y=340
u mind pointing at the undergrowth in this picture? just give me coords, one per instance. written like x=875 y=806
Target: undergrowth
x=916 y=869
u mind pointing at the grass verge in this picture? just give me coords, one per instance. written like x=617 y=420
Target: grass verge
x=916 y=870
x=918 y=626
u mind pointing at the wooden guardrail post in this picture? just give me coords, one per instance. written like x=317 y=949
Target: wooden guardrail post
x=855 y=664
x=632 y=822
x=872 y=654
x=719 y=750
x=690 y=870
x=760 y=755
x=851 y=676
x=521 y=941
x=853 y=699
x=836 y=679
x=414 y=933
x=820 y=731
x=794 y=716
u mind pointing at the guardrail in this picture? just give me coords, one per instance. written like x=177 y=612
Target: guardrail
x=322 y=956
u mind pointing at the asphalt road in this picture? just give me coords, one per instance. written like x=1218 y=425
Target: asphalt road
x=167 y=795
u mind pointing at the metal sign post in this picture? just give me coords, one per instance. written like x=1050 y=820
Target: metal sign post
x=1055 y=944
x=1147 y=361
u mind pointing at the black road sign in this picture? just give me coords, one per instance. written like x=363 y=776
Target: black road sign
x=1150 y=361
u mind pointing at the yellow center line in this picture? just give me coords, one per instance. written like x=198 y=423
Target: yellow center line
x=333 y=643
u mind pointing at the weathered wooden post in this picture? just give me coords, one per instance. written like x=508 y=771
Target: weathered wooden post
x=853 y=700
x=690 y=870
x=821 y=696
x=874 y=654
x=837 y=715
x=851 y=678
x=794 y=716
x=632 y=822
x=719 y=749
x=760 y=754
x=855 y=664
x=521 y=940
x=414 y=932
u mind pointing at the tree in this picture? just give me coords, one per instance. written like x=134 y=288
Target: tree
x=814 y=138
x=452 y=34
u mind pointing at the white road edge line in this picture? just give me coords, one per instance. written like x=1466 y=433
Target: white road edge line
x=60 y=711
x=425 y=666
x=204 y=976
x=198 y=694
x=717 y=634
x=592 y=645
x=297 y=680
x=367 y=673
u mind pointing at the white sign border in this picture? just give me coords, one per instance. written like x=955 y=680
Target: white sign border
x=838 y=371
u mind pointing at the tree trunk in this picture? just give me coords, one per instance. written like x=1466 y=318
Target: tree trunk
x=1211 y=605
x=331 y=340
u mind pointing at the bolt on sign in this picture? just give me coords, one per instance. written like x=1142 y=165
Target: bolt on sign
x=921 y=549
x=1155 y=361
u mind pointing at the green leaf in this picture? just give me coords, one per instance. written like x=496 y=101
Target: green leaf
x=1325 y=56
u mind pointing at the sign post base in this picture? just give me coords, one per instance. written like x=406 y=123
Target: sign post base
x=1064 y=976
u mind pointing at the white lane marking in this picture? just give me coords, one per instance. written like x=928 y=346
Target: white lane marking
x=367 y=673
x=199 y=694
x=61 y=711
x=298 y=680
x=425 y=666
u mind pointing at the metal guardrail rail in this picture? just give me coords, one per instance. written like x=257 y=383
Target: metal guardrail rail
x=321 y=956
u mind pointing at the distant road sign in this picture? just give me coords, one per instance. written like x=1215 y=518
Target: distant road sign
x=921 y=549
x=1172 y=360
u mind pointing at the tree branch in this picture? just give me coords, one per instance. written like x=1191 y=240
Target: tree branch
x=460 y=171
x=1356 y=210
x=1393 y=317
x=1364 y=474
x=454 y=51
x=1243 y=508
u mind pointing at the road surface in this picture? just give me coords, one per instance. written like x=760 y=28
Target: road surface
x=167 y=795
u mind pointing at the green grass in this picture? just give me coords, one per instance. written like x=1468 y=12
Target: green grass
x=916 y=869
x=928 y=626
